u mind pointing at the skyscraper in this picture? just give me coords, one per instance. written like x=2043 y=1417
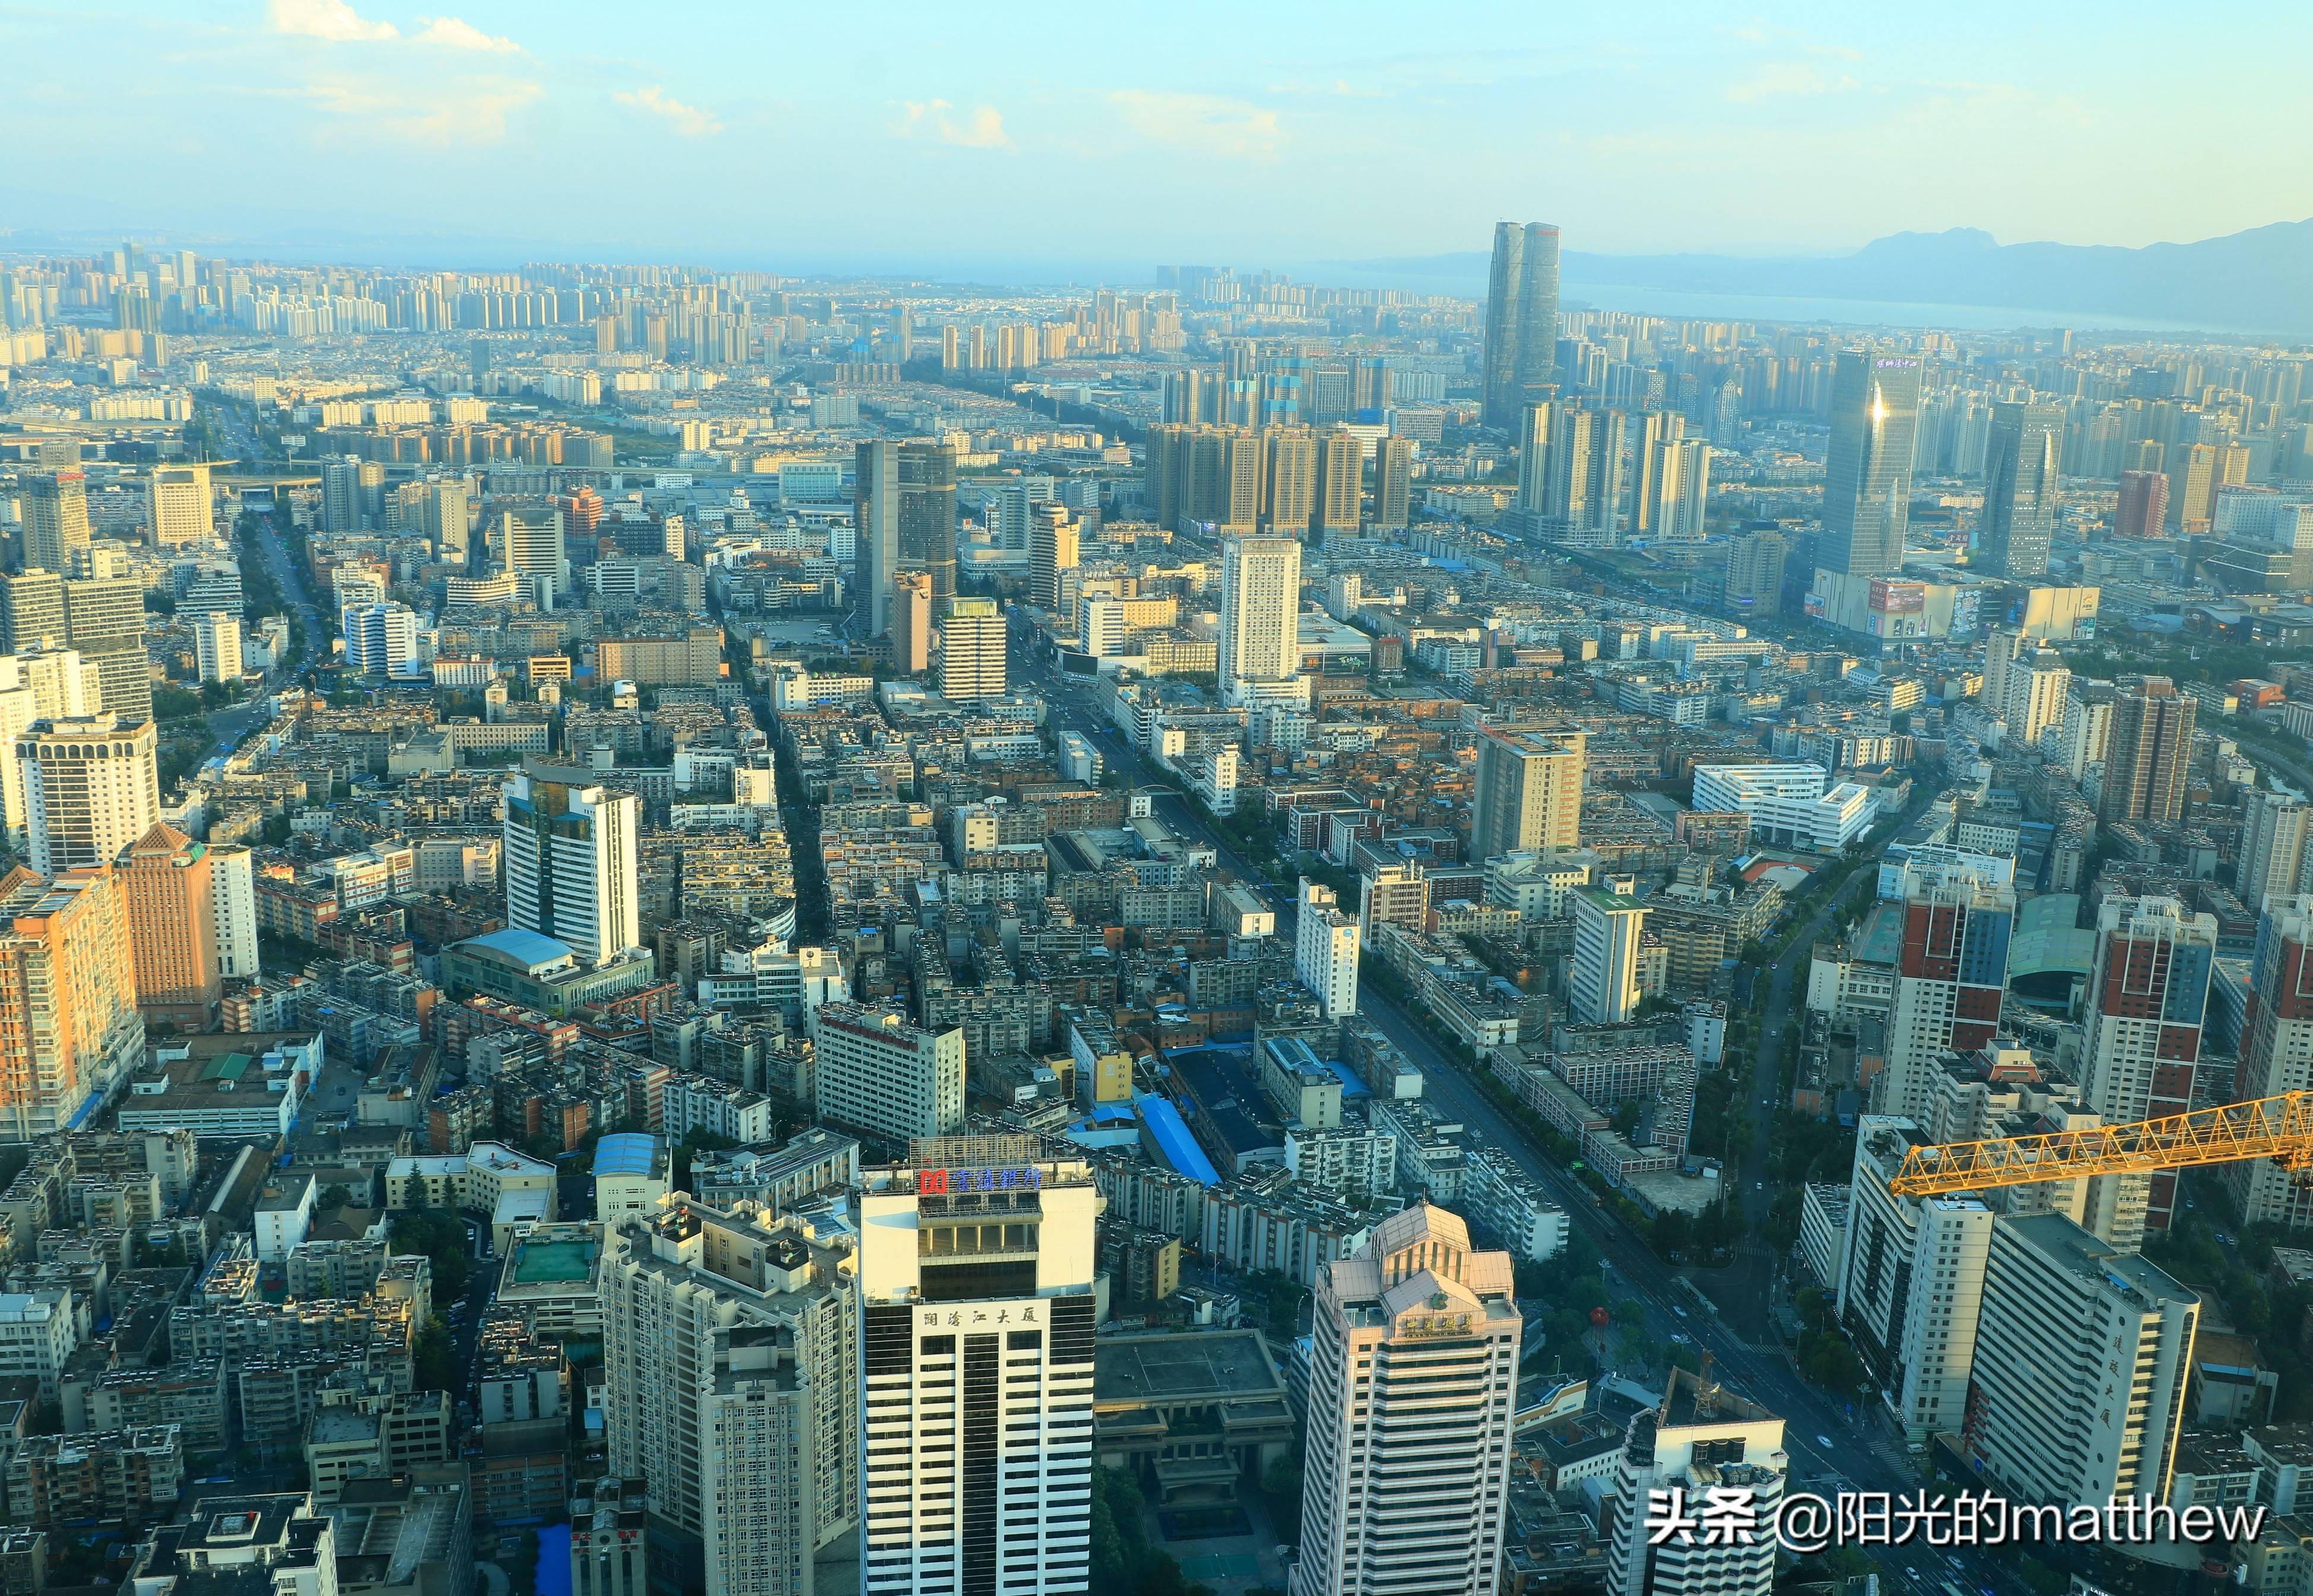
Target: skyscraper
x=2276 y=1052
x=1260 y=620
x=380 y=638
x=1053 y=547
x=104 y=620
x=1533 y=429
x=877 y=514
x=2271 y=863
x=1325 y=950
x=531 y=542
x=927 y=479
x=164 y=878
x=1521 y=320
x=1701 y=1438
x=2019 y=487
x=2150 y=752
x=1867 y=494
x=1582 y=490
x=1951 y=972
x=1340 y=485
x=68 y=1020
x=909 y=599
x=1677 y=488
x=2147 y=995
x=972 y=649
x=1655 y=428
x=1393 y=483
x=54 y=508
x=976 y=1270
x=177 y=505
x=1289 y=480
x=31 y=611
x=1755 y=573
x=2143 y=510
x=1412 y=1382
x=569 y=856
x=91 y=789
x=341 y=506
x=1528 y=792
x=1603 y=984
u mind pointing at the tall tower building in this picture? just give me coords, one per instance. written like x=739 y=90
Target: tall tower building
x=1604 y=984
x=2275 y=831
x=976 y=1270
x=1325 y=950
x=104 y=620
x=233 y=877
x=1655 y=429
x=2141 y=1043
x=909 y=614
x=569 y=858
x=530 y=542
x=1583 y=470
x=1412 y=1377
x=31 y=612
x=1528 y=792
x=2019 y=487
x=2083 y=1351
x=341 y=493
x=1755 y=573
x=217 y=645
x=1053 y=547
x=2276 y=1052
x=380 y=638
x=1676 y=490
x=876 y=1073
x=1534 y=429
x=2142 y=508
x=1393 y=483
x=1951 y=972
x=2086 y=736
x=972 y=649
x=164 y=876
x=927 y=523
x=178 y=507
x=91 y=789
x=1701 y=1438
x=2035 y=689
x=54 y=508
x=2150 y=753
x=1261 y=619
x=443 y=515
x=730 y=1347
x=1289 y=480
x=876 y=543
x=1340 y=485
x=1867 y=493
x=1521 y=320
x=68 y=1023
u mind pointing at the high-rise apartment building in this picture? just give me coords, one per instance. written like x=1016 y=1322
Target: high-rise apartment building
x=104 y=621
x=217 y=645
x=2147 y=996
x=1521 y=353
x=1412 y=1382
x=2081 y=1358
x=1755 y=573
x=876 y=506
x=2035 y=689
x=2142 y=509
x=1699 y=1439
x=1340 y=485
x=1394 y=895
x=976 y=1271
x=1260 y=620
x=1582 y=471
x=1393 y=483
x=165 y=879
x=54 y=507
x=1528 y=792
x=972 y=649
x=1289 y=480
x=2276 y=1050
x=1603 y=982
x=730 y=1347
x=1867 y=495
x=531 y=544
x=1053 y=547
x=2150 y=753
x=2019 y=487
x=2196 y=474
x=1535 y=425
x=2086 y=736
x=1951 y=973
x=1325 y=950
x=569 y=858
x=233 y=877
x=178 y=507
x=443 y=517
x=1674 y=488
x=91 y=787
x=1650 y=432
x=69 y=1027
x=874 y=1071
x=341 y=493
x=31 y=612
x=2276 y=830
x=380 y=638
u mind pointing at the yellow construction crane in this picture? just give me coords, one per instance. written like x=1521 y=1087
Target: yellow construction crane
x=2278 y=1128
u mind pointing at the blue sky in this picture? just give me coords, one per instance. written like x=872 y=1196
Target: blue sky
x=1109 y=136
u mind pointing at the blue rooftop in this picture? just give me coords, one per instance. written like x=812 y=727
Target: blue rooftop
x=527 y=948
x=628 y=1152
x=1174 y=1141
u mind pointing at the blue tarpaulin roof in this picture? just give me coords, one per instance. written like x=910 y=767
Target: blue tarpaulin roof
x=1179 y=1147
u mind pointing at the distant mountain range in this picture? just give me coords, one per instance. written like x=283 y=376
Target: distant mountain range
x=2260 y=280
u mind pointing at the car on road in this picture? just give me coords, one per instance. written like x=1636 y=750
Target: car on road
x=1823 y=1440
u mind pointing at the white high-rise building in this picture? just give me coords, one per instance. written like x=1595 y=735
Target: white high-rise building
x=730 y=1349
x=2087 y=732
x=2275 y=831
x=570 y=860
x=232 y=887
x=1260 y=620
x=91 y=787
x=2038 y=687
x=530 y=543
x=1412 y=1391
x=972 y=649
x=976 y=1270
x=1325 y=950
x=380 y=638
x=2082 y=1352
x=1100 y=624
x=216 y=642
x=1604 y=984
x=874 y=1071
x=177 y=505
x=1701 y=1438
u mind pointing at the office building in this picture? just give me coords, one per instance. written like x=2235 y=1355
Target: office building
x=1394 y=895
x=2150 y=753
x=380 y=638
x=1325 y=950
x=31 y=612
x=1951 y=973
x=91 y=787
x=104 y=623
x=177 y=506
x=972 y=649
x=569 y=859
x=2080 y=1366
x=2147 y=996
x=170 y=896
x=1521 y=352
x=341 y=493
x=1755 y=573
x=926 y=475
x=1260 y=620
x=54 y=508
x=976 y=1272
x=1794 y=805
x=69 y=1028
x=907 y=614
x=530 y=546
x=2142 y=509
x=2273 y=859
x=1867 y=496
x=1603 y=986
x=876 y=506
x=2019 y=488
x=730 y=1347
x=1528 y=792
x=217 y=645
x=1341 y=486
x=444 y=517
x=1053 y=547
x=1393 y=496
x=1699 y=1439
x=233 y=877
x=2196 y=472
x=874 y=1072
x=2276 y=1052
x=1100 y=625
x=1414 y=1372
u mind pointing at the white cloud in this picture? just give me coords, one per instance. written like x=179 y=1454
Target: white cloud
x=1778 y=80
x=471 y=113
x=333 y=20
x=686 y=120
x=458 y=34
x=1206 y=124
x=980 y=128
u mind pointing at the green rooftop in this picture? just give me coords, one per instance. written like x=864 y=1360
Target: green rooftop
x=233 y=1066
x=553 y=1263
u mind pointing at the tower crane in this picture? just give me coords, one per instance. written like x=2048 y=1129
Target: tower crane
x=2277 y=1128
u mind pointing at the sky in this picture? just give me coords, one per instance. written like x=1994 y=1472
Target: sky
x=949 y=139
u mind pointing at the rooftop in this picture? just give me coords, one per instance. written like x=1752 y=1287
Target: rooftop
x=1200 y=1367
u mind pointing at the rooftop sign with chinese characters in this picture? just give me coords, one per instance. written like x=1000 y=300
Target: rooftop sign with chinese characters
x=933 y=1182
